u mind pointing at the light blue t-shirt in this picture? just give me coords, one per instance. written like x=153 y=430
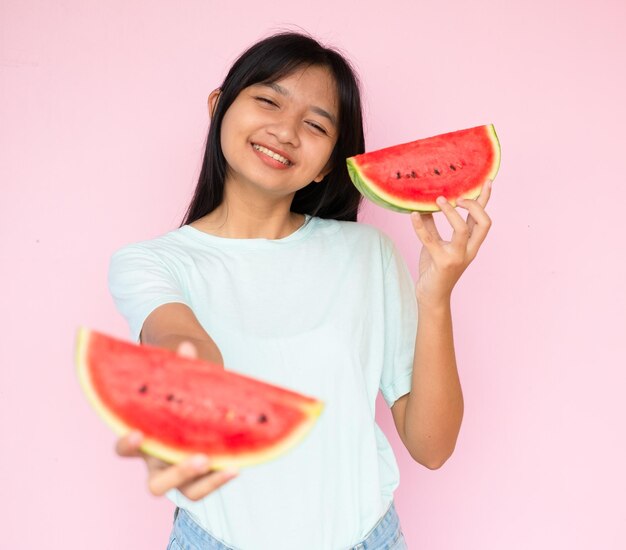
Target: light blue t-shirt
x=328 y=311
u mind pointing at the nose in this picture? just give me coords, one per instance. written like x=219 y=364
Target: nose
x=285 y=129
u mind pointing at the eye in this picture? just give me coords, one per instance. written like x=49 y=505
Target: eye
x=265 y=100
x=317 y=127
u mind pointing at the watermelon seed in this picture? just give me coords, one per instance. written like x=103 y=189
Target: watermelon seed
x=413 y=174
x=170 y=397
x=437 y=172
x=452 y=167
x=262 y=419
x=143 y=389
x=398 y=175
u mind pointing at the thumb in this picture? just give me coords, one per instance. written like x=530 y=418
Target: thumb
x=187 y=349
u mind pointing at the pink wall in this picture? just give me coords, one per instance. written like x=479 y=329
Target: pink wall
x=103 y=116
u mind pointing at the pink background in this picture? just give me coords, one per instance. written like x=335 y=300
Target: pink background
x=103 y=118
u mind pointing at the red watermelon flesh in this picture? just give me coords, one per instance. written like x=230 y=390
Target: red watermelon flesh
x=409 y=177
x=185 y=406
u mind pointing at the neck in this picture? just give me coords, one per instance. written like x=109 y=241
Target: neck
x=242 y=217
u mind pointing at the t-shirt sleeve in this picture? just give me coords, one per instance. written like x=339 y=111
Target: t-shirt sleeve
x=139 y=282
x=400 y=328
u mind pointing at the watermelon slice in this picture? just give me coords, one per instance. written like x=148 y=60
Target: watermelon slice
x=185 y=406
x=409 y=177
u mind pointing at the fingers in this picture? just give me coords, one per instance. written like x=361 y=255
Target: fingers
x=129 y=444
x=431 y=240
x=481 y=225
x=426 y=230
x=207 y=484
x=461 y=231
x=161 y=481
x=193 y=477
x=429 y=222
x=482 y=199
x=464 y=237
x=485 y=193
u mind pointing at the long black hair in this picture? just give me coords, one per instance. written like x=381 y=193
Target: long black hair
x=271 y=59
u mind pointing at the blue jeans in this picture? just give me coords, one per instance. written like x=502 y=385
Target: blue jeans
x=188 y=535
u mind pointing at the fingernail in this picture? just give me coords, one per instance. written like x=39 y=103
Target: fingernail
x=134 y=438
x=441 y=200
x=231 y=472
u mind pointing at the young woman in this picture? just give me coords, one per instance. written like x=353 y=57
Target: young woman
x=271 y=276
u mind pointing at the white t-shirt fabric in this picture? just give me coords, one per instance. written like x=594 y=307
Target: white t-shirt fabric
x=328 y=311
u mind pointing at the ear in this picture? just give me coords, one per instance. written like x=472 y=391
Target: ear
x=213 y=97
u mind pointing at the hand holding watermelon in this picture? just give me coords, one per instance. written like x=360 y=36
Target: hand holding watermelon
x=442 y=262
x=187 y=410
x=193 y=477
x=430 y=175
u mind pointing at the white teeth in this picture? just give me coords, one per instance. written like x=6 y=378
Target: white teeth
x=269 y=153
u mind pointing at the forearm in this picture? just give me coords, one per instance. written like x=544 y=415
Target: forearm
x=434 y=409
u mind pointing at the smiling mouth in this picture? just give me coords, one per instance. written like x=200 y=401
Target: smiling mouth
x=271 y=154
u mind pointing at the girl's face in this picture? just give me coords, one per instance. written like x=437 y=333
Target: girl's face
x=278 y=138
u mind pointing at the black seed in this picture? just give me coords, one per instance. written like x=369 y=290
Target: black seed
x=143 y=389
x=262 y=419
x=398 y=175
x=170 y=397
x=437 y=172
x=413 y=174
x=452 y=167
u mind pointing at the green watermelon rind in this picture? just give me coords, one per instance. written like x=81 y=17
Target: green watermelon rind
x=171 y=455
x=366 y=191
x=370 y=190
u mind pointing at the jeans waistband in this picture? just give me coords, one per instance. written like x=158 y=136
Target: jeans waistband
x=385 y=531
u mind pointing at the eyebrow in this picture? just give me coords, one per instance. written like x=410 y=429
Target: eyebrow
x=283 y=91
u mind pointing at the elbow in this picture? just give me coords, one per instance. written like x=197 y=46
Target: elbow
x=434 y=465
x=432 y=462
x=432 y=452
